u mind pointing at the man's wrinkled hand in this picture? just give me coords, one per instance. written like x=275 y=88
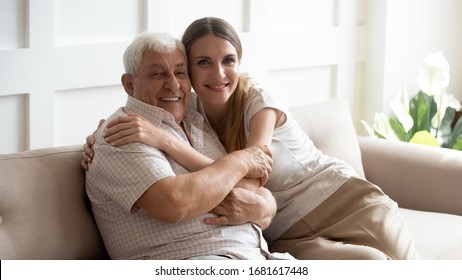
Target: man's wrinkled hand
x=259 y=161
x=239 y=207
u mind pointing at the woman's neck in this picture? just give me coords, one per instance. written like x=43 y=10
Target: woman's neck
x=217 y=117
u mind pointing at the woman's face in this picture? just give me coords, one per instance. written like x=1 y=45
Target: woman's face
x=214 y=69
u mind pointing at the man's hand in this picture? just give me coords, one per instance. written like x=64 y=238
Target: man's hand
x=249 y=184
x=241 y=206
x=259 y=162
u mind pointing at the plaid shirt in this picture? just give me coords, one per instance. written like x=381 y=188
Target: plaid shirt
x=119 y=176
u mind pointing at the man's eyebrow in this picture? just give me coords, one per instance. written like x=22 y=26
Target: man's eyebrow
x=161 y=66
x=155 y=65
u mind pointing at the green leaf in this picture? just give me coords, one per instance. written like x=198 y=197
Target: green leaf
x=455 y=134
x=425 y=138
x=445 y=127
x=422 y=108
x=399 y=130
x=376 y=133
x=458 y=144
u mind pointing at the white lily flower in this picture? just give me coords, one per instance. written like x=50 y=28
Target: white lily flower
x=368 y=128
x=453 y=102
x=400 y=106
x=434 y=76
x=382 y=126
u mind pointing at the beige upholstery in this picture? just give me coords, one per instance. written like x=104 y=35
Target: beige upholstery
x=43 y=209
x=44 y=214
x=421 y=178
x=430 y=178
x=331 y=128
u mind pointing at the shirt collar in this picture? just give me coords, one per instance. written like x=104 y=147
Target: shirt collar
x=152 y=113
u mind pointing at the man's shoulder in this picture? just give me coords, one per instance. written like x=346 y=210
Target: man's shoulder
x=193 y=103
x=194 y=117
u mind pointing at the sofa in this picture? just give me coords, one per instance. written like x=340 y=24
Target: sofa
x=45 y=214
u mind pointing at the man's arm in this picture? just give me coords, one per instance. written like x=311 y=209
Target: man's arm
x=134 y=128
x=186 y=196
x=242 y=206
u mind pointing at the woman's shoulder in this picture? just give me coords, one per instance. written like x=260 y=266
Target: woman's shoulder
x=267 y=97
x=258 y=91
x=260 y=94
x=260 y=98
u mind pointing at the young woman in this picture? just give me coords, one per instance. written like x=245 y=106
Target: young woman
x=325 y=211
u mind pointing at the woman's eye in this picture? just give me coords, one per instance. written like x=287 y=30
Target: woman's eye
x=228 y=60
x=203 y=62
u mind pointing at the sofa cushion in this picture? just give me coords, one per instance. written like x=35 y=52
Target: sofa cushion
x=436 y=235
x=330 y=126
x=43 y=214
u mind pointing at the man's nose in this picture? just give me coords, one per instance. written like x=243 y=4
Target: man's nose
x=172 y=84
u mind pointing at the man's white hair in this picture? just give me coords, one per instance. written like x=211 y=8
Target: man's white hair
x=159 y=42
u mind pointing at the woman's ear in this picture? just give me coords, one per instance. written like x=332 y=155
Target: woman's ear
x=127 y=82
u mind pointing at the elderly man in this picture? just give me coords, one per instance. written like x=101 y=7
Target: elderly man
x=146 y=205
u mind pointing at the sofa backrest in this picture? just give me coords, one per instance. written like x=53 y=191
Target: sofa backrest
x=330 y=126
x=44 y=212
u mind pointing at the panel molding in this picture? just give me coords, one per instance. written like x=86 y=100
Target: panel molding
x=46 y=69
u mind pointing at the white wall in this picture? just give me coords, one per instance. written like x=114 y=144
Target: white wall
x=61 y=60
x=399 y=35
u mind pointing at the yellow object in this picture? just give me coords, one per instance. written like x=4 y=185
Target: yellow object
x=425 y=138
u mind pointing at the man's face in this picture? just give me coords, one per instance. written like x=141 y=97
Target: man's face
x=162 y=81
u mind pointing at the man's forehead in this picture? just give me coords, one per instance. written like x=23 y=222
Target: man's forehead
x=161 y=60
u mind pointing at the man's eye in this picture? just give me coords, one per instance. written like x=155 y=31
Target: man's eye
x=156 y=74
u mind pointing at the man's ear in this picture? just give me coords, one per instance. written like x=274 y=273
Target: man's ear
x=127 y=82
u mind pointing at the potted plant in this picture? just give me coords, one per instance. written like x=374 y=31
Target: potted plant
x=430 y=117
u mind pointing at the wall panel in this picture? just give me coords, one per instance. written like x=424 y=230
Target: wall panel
x=78 y=111
x=60 y=52
x=322 y=36
x=67 y=55
x=12 y=24
x=102 y=21
x=175 y=15
x=13 y=113
x=301 y=14
x=300 y=86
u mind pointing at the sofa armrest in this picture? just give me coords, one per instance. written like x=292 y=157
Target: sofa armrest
x=416 y=176
x=43 y=207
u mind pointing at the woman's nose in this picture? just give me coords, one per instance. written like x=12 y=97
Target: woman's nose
x=219 y=70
